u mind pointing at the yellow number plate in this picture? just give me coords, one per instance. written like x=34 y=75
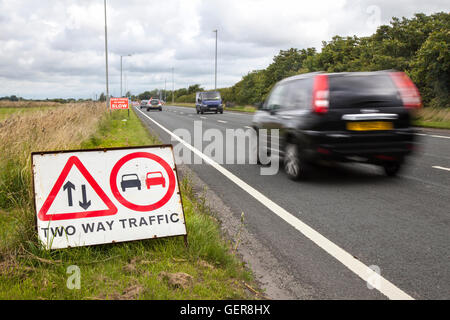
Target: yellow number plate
x=370 y=126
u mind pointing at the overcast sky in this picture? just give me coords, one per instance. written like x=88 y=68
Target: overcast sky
x=56 y=48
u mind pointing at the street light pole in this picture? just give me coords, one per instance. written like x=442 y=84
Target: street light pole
x=173 y=88
x=106 y=57
x=215 y=69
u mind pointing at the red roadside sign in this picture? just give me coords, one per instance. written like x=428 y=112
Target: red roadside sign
x=118 y=103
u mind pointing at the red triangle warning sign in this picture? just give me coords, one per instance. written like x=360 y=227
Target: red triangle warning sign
x=81 y=211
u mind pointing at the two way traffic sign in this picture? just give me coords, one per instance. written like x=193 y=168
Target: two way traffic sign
x=109 y=195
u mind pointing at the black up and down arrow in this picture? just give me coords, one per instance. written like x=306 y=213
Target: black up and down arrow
x=69 y=186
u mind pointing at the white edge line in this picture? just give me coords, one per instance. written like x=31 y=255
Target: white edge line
x=437 y=136
x=442 y=168
x=222 y=121
x=360 y=269
x=432 y=135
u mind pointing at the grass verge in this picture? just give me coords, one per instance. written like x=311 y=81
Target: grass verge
x=6 y=112
x=149 y=269
x=432 y=118
x=432 y=124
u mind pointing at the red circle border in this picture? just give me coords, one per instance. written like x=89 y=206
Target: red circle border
x=133 y=206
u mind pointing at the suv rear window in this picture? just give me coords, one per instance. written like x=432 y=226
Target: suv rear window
x=154 y=102
x=354 y=91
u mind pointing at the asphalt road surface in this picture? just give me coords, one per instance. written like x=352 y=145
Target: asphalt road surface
x=328 y=230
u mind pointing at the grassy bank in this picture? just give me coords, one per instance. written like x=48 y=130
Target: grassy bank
x=6 y=112
x=149 y=269
x=433 y=118
x=29 y=104
x=39 y=130
x=8 y=108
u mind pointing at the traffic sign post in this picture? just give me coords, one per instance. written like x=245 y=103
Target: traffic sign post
x=90 y=197
x=120 y=104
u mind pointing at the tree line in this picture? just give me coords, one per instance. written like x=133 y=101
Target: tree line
x=58 y=100
x=418 y=46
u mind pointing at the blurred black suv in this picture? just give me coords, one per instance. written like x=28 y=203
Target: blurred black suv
x=354 y=116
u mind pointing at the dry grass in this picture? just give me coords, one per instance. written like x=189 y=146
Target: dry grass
x=48 y=129
x=29 y=104
x=432 y=118
x=40 y=130
x=434 y=114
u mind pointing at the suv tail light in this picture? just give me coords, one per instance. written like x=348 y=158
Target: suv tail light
x=408 y=91
x=321 y=92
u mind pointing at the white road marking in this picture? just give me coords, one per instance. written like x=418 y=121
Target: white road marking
x=247 y=127
x=432 y=135
x=437 y=136
x=348 y=260
x=442 y=168
x=203 y=117
x=222 y=121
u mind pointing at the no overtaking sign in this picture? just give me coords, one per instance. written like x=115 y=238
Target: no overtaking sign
x=105 y=196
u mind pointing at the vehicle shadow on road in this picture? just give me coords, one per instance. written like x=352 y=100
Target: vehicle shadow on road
x=346 y=174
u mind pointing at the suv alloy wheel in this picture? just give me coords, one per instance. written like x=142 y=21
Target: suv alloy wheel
x=293 y=166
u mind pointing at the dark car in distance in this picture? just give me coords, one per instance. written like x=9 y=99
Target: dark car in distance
x=353 y=116
x=208 y=101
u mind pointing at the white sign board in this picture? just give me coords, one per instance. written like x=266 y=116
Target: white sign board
x=104 y=196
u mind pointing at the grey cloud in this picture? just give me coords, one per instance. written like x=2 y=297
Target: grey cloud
x=56 y=48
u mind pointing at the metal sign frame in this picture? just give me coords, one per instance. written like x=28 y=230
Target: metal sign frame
x=185 y=236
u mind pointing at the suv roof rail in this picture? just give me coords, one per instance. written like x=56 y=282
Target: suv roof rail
x=309 y=74
x=301 y=76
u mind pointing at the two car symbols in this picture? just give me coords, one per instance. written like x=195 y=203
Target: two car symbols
x=132 y=180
